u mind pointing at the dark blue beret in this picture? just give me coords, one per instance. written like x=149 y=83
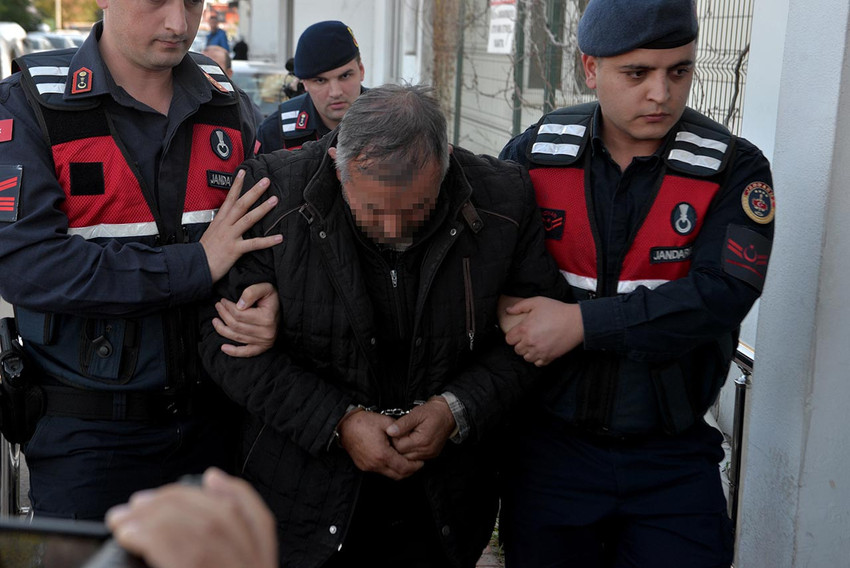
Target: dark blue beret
x=324 y=46
x=612 y=27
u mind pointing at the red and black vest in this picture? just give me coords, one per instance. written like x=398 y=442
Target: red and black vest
x=603 y=392
x=661 y=247
x=107 y=199
x=105 y=195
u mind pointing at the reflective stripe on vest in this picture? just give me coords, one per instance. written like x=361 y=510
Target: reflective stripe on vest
x=103 y=196
x=660 y=251
x=121 y=211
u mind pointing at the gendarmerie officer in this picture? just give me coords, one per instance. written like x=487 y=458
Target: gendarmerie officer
x=661 y=220
x=116 y=160
x=327 y=61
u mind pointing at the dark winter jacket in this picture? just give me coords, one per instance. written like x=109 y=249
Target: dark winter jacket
x=489 y=242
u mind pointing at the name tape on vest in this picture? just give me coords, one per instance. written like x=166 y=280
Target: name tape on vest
x=219 y=180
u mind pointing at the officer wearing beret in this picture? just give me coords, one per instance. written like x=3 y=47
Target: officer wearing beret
x=661 y=221
x=327 y=60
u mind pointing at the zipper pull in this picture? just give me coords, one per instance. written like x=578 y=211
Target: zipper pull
x=471 y=335
x=394 y=278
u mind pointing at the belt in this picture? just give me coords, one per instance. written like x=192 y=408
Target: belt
x=103 y=405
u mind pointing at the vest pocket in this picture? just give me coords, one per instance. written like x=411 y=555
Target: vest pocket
x=109 y=350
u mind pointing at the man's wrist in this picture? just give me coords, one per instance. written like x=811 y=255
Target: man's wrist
x=349 y=412
x=458 y=411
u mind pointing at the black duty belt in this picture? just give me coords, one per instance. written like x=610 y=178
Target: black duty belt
x=102 y=405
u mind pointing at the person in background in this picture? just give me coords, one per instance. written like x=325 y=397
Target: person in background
x=217 y=35
x=661 y=221
x=222 y=57
x=122 y=209
x=327 y=61
x=292 y=85
x=240 y=50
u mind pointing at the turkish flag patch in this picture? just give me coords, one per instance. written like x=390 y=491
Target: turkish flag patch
x=745 y=255
x=10 y=192
x=6 y=129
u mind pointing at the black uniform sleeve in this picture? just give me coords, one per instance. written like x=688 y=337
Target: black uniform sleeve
x=714 y=297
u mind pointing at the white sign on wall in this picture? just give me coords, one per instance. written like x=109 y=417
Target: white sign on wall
x=502 y=21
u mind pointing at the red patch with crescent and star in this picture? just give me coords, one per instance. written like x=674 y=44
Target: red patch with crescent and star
x=745 y=255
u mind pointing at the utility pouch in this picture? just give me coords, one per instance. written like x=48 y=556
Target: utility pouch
x=674 y=401
x=21 y=401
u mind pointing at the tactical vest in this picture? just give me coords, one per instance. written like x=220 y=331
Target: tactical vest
x=107 y=199
x=622 y=396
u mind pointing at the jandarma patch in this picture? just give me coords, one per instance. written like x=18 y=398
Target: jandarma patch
x=758 y=202
x=10 y=192
x=219 y=180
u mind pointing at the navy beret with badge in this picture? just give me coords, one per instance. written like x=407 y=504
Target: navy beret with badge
x=324 y=46
x=613 y=27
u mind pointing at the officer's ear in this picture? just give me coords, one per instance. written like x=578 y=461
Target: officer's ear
x=591 y=66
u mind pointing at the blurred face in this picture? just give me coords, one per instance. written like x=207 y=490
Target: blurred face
x=390 y=206
x=642 y=93
x=150 y=35
x=333 y=91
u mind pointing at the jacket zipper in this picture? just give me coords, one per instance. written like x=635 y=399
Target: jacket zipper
x=470 y=303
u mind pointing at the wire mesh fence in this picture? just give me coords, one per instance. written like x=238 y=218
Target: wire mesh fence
x=493 y=96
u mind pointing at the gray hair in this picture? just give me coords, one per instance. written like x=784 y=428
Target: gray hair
x=395 y=126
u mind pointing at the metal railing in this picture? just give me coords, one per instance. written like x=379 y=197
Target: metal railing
x=10 y=480
x=744 y=356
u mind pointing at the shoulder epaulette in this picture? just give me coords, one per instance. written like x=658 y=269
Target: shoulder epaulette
x=295 y=122
x=214 y=74
x=46 y=73
x=701 y=147
x=561 y=136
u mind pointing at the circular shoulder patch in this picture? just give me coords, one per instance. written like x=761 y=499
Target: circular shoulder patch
x=758 y=202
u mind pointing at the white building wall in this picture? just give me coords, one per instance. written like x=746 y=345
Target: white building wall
x=795 y=509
